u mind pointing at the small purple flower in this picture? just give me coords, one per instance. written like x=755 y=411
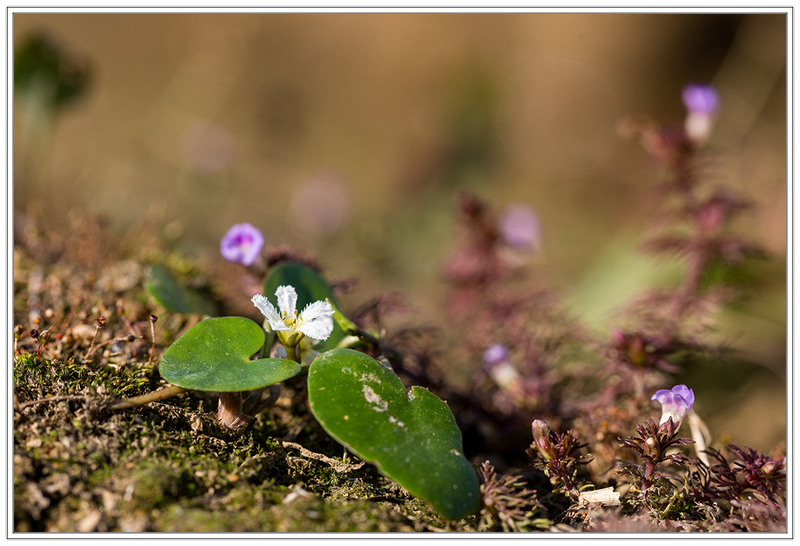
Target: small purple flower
x=519 y=227
x=499 y=368
x=700 y=99
x=702 y=102
x=675 y=403
x=242 y=244
x=495 y=354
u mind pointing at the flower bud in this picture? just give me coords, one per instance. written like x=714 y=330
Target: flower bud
x=771 y=466
x=542 y=440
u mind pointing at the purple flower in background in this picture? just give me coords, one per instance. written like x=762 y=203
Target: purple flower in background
x=702 y=102
x=242 y=244
x=700 y=99
x=499 y=368
x=519 y=227
x=495 y=355
x=675 y=403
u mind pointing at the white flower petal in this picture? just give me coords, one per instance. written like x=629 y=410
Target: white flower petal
x=287 y=300
x=316 y=310
x=269 y=311
x=317 y=328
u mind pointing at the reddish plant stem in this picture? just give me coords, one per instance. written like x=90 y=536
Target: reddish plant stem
x=100 y=323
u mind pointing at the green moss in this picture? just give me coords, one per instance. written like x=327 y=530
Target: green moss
x=148 y=469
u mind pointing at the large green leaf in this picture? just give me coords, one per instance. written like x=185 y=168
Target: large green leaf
x=214 y=355
x=310 y=287
x=411 y=436
x=174 y=297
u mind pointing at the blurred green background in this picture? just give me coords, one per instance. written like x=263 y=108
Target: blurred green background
x=349 y=135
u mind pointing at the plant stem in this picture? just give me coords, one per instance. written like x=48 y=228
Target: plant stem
x=50 y=399
x=153 y=320
x=155 y=396
x=671 y=502
x=293 y=354
x=91 y=347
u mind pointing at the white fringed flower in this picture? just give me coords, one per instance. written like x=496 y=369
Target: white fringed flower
x=315 y=321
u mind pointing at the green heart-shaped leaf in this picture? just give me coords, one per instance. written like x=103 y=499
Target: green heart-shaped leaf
x=310 y=287
x=174 y=297
x=214 y=355
x=411 y=436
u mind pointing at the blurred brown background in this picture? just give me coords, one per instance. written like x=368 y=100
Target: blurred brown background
x=348 y=135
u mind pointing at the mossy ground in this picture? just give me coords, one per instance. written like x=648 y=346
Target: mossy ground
x=167 y=466
x=170 y=467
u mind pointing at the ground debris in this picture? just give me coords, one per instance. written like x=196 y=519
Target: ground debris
x=337 y=465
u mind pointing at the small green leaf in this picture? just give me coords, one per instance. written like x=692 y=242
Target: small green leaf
x=310 y=287
x=214 y=355
x=174 y=297
x=411 y=436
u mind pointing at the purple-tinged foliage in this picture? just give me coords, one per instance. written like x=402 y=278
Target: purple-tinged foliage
x=557 y=456
x=242 y=244
x=507 y=504
x=754 y=471
x=754 y=486
x=753 y=516
x=642 y=351
x=652 y=443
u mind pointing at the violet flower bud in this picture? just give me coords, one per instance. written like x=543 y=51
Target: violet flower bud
x=702 y=102
x=675 y=403
x=542 y=440
x=519 y=228
x=242 y=244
